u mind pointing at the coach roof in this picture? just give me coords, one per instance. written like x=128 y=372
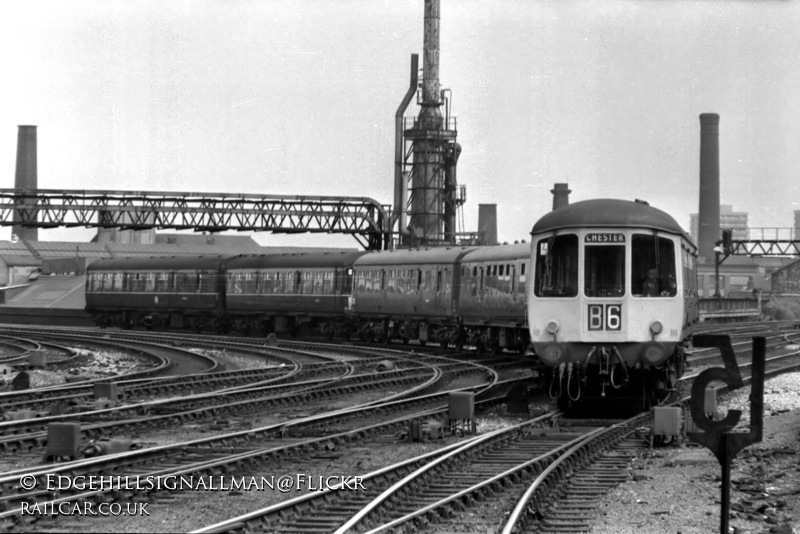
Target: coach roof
x=492 y=253
x=162 y=263
x=607 y=212
x=415 y=256
x=295 y=260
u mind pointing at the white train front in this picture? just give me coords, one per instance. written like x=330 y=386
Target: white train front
x=613 y=300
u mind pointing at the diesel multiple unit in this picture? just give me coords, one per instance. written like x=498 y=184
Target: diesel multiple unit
x=605 y=295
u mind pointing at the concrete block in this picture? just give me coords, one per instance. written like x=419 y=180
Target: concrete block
x=106 y=390
x=115 y=445
x=63 y=439
x=461 y=405
x=666 y=421
x=37 y=359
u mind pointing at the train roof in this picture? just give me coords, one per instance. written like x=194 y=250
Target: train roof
x=413 y=256
x=604 y=212
x=499 y=252
x=294 y=259
x=158 y=263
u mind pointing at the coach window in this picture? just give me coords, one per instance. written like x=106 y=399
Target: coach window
x=274 y=281
x=556 y=270
x=327 y=282
x=318 y=278
x=513 y=274
x=180 y=282
x=653 y=265
x=604 y=270
x=234 y=286
x=205 y=282
x=304 y=283
x=391 y=281
x=263 y=280
x=368 y=285
x=297 y=282
x=150 y=282
x=251 y=282
x=285 y=281
x=347 y=282
x=359 y=281
x=162 y=282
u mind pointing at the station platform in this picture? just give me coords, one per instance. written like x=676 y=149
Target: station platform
x=50 y=300
x=62 y=292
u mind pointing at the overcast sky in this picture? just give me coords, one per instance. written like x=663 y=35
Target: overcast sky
x=298 y=97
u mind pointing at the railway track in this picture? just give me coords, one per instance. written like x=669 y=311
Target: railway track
x=315 y=434
x=435 y=488
x=22 y=350
x=206 y=457
x=136 y=418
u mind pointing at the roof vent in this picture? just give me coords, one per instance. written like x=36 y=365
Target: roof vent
x=640 y=201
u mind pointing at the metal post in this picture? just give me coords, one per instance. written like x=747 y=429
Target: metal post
x=725 y=461
x=716 y=274
x=717 y=435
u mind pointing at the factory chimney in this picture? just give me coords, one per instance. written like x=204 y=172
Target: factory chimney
x=487 y=223
x=560 y=195
x=26 y=178
x=708 y=232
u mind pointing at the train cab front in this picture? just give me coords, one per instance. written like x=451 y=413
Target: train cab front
x=606 y=310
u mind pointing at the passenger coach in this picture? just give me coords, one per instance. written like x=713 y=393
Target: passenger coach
x=409 y=294
x=614 y=298
x=493 y=296
x=286 y=292
x=175 y=292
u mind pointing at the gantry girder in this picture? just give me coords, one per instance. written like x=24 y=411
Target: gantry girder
x=765 y=247
x=363 y=218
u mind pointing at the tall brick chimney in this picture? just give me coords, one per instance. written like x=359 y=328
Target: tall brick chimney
x=26 y=177
x=708 y=218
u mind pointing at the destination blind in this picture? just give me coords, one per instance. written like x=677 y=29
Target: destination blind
x=604 y=237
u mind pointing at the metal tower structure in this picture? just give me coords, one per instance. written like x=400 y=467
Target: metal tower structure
x=427 y=154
